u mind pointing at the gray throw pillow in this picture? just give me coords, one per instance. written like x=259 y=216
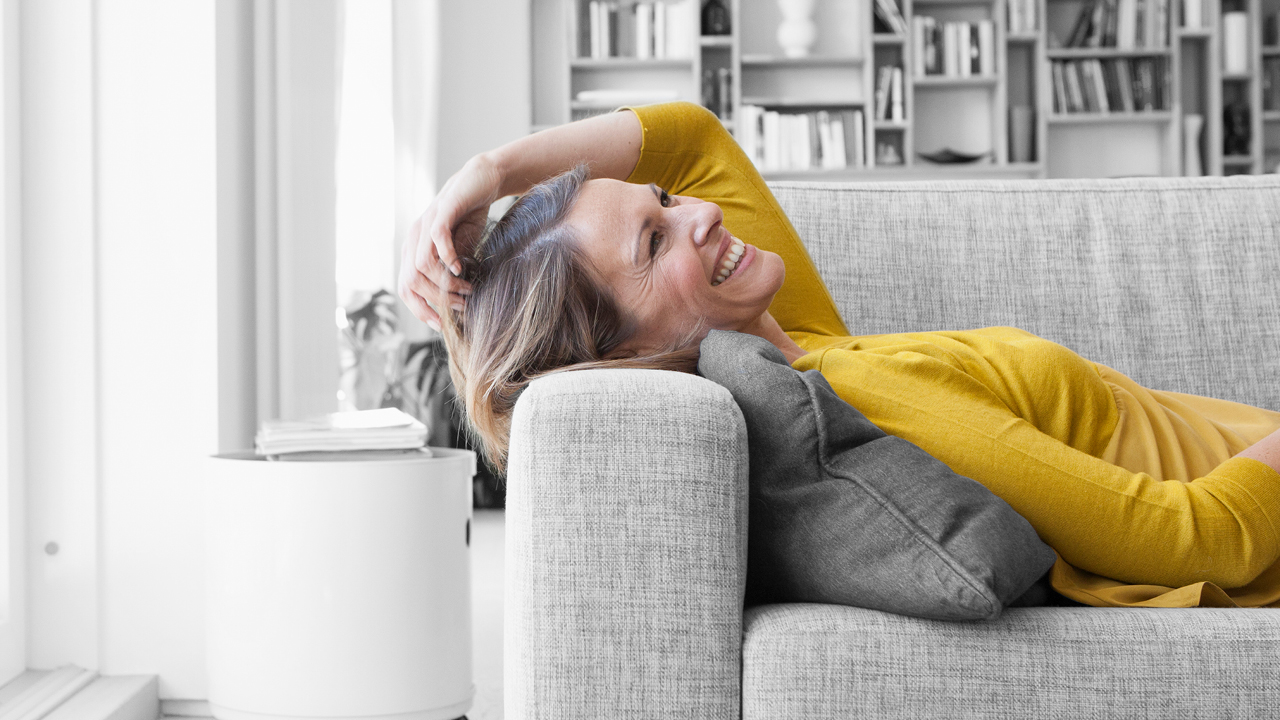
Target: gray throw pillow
x=841 y=512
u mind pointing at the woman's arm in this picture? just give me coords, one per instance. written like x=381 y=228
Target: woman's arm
x=1266 y=451
x=608 y=144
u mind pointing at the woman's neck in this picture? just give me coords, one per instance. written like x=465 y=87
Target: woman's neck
x=769 y=329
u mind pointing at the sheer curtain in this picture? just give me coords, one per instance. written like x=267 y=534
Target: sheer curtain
x=327 y=124
x=386 y=136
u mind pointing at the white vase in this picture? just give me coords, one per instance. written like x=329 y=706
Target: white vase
x=797 y=31
x=1191 y=126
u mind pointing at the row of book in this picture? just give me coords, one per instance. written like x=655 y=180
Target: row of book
x=889 y=103
x=656 y=29
x=1123 y=24
x=954 y=48
x=1110 y=86
x=1271 y=83
x=822 y=139
x=1022 y=16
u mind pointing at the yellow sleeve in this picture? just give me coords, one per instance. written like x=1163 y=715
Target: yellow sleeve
x=687 y=151
x=1223 y=528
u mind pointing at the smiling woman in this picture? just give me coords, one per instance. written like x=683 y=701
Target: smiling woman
x=670 y=252
x=1147 y=496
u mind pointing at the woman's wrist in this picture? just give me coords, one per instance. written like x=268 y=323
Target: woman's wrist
x=489 y=167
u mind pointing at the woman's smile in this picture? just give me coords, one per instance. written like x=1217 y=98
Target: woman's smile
x=688 y=275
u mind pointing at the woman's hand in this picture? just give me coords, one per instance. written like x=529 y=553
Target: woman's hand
x=450 y=227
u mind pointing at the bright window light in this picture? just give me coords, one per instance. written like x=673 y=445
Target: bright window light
x=366 y=154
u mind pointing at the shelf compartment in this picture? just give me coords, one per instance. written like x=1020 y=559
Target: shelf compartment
x=954 y=81
x=626 y=63
x=716 y=41
x=1193 y=33
x=772 y=61
x=1096 y=118
x=917 y=171
x=799 y=103
x=891 y=124
x=1103 y=53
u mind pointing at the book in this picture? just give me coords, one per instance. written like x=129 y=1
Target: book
x=642 y=36
x=1124 y=81
x=1235 y=43
x=1086 y=85
x=354 y=455
x=887 y=12
x=1075 y=95
x=882 y=92
x=660 y=30
x=384 y=429
x=986 y=48
x=839 y=153
x=855 y=143
x=1192 y=14
x=896 y=111
x=1080 y=31
x=1059 y=88
x=1021 y=133
x=1126 y=23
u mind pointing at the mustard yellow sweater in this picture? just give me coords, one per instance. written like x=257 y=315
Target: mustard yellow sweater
x=1135 y=489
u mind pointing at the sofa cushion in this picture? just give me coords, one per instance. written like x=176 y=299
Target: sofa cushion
x=841 y=512
x=823 y=662
x=1140 y=274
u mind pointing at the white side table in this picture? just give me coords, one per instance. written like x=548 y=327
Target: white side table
x=339 y=589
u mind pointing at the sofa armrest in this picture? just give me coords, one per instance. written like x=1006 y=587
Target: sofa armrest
x=626 y=538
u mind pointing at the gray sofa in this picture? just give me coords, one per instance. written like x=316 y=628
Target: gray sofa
x=627 y=508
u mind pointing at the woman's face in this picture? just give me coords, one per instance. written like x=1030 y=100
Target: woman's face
x=664 y=257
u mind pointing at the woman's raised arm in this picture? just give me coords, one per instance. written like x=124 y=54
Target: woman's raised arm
x=608 y=144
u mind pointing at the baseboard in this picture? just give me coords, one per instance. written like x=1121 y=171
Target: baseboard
x=73 y=693
x=35 y=693
x=185 y=709
x=119 y=697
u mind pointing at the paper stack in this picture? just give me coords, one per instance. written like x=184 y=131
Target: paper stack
x=363 y=434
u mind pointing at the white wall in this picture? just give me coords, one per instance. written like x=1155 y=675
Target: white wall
x=157 y=217
x=485 y=78
x=120 y=305
x=60 y=331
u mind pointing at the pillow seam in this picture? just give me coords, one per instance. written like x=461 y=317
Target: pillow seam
x=916 y=532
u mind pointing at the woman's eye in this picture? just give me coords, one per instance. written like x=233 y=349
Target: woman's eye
x=655 y=241
x=665 y=199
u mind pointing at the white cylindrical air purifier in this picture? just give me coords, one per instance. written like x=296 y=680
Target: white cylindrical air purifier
x=339 y=589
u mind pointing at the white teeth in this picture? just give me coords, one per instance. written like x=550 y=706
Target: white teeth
x=731 y=257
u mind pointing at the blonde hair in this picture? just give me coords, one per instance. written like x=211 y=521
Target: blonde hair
x=536 y=308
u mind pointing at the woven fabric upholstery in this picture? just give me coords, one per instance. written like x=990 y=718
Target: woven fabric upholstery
x=625 y=548
x=626 y=503
x=829 y=661
x=1171 y=281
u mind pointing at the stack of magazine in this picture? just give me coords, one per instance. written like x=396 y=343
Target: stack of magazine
x=387 y=433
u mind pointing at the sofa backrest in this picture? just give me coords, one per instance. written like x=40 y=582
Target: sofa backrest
x=1173 y=281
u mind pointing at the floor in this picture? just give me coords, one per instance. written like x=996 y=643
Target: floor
x=487 y=536
x=488 y=531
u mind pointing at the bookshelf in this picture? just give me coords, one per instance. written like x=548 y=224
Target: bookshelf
x=1043 y=95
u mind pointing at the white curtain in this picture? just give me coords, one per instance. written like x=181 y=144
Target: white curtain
x=416 y=96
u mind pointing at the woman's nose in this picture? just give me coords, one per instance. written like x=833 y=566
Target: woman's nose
x=704 y=216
